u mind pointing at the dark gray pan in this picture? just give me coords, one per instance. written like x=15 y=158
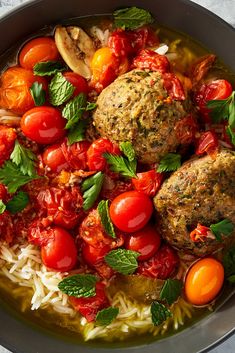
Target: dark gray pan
x=22 y=337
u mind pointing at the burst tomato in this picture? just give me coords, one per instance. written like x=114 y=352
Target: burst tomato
x=149 y=59
x=77 y=81
x=96 y=160
x=201 y=67
x=54 y=158
x=186 y=130
x=148 y=182
x=6 y=227
x=207 y=143
x=173 y=86
x=76 y=154
x=112 y=188
x=7 y=142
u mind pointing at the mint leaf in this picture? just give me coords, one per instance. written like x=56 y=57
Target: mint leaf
x=48 y=68
x=120 y=165
x=2 y=207
x=24 y=158
x=103 y=209
x=169 y=163
x=60 y=90
x=74 y=110
x=171 y=290
x=132 y=18
x=122 y=261
x=38 y=94
x=77 y=133
x=106 y=316
x=229 y=262
x=231 y=134
x=225 y=227
x=159 y=313
x=18 y=202
x=79 y=286
x=129 y=152
x=91 y=188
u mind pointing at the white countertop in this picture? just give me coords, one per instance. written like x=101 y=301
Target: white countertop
x=224 y=9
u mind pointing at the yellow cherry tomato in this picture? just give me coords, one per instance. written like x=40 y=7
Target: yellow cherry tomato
x=204 y=281
x=102 y=59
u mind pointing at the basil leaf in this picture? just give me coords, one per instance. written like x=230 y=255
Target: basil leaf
x=120 y=165
x=169 y=163
x=159 y=313
x=77 y=133
x=229 y=262
x=132 y=18
x=225 y=227
x=103 y=209
x=18 y=202
x=2 y=207
x=122 y=261
x=74 y=109
x=48 y=68
x=24 y=158
x=91 y=188
x=171 y=290
x=106 y=316
x=60 y=90
x=79 y=286
x=38 y=94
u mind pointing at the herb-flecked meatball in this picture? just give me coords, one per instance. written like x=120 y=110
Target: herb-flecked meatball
x=137 y=108
x=201 y=191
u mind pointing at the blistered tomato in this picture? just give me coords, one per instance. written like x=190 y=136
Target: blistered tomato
x=204 y=281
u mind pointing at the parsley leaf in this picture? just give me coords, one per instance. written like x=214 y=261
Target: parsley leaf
x=229 y=262
x=24 y=158
x=74 y=109
x=122 y=261
x=171 y=290
x=2 y=207
x=120 y=165
x=103 y=209
x=77 y=133
x=169 y=163
x=79 y=286
x=106 y=316
x=91 y=188
x=48 y=68
x=13 y=178
x=224 y=227
x=60 y=90
x=18 y=202
x=132 y=18
x=223 y=109
x=159 y=313
x=38 y=94
x=129 y=152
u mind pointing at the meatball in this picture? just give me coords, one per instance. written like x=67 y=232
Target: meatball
x=137 y=108
x=201 y=191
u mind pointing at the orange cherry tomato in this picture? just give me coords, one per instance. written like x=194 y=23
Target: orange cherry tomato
x=204 y=281
x=14 y=89
x=38 y=50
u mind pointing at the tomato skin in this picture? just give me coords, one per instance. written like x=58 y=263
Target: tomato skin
x=14 y=91
x=3 y=193
x=54 y=159
x=131 y=211
x=207 y=143
x=146 y=241
x=44 y=125
x=38 y=50
x=78 y=82
x=76 y=154
x=162 y=265
x=112 y=188
x=204 y=281
x=148 y=182
x=96 y=161
x=149 y=59
x=6 y=227
x=7 y=142
x=200 y=233
x=186 y=130
x=173 y=86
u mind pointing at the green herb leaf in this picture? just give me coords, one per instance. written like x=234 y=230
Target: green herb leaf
x=229 y=262
x=120 y=165
x=74 y=109
x=231 y=279
x=223 y=109
x=91 y=188
x=60 y=90
x=18 y=202
x=13 y=178
x=24 y=158
x=159 y=313
x=122 y=261
x=171 y=290
x=90 y=106
x=169 y=163
x=106 y=316
x=231 y=111
x=225 y=227
x=129 y=152
x=103 y=209
x=2 y=207
x=231 y=134
x=77 y=133
x=38 y=93
x=48 y=68
x=79 y=286
x=132 y=18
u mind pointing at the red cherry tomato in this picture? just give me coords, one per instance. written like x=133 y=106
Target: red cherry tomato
x=96 y=160
x=150 y=60
x=186 y=130
x=54 y=159
x=7 y=142
x=3 y=192
x=38 y=50
x=44 y=125
x=207 y=143
x=162 y=265
x=60 y=252
x=131 y=211
x=148 y=182
x=6 y=227
x=112 y=188
x=77 y=81
x=173 y=86
x=89 y=307
x=93 y=255
x=146 y=241
x=76 y=154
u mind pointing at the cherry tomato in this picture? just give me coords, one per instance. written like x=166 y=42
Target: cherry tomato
x=38 y=50
x=162 y=265
x=54 y=158
x=173 y=86
x=89 y=307
x=3 y=192
x=207 y=143
x=44 y=125
x=60 y=252
x=131 y=211
x=93 y=255
x=112 y=188
x=77 y=81
x=200 y=233
x=204 y=281
x=146 y=241
x=7 y=142
x=149 y=59
x=104 y=66
x=14 y=89
x=96 y=160
x=201 y=67
x=6 y=227
x=186 y=130
x=76 y=154
x=148 y=182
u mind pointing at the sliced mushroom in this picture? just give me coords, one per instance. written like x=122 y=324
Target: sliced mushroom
x=76 y=48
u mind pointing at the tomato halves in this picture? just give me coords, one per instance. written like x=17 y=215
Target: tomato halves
x=38 y=50
x=43 y=125
x=131 y=211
